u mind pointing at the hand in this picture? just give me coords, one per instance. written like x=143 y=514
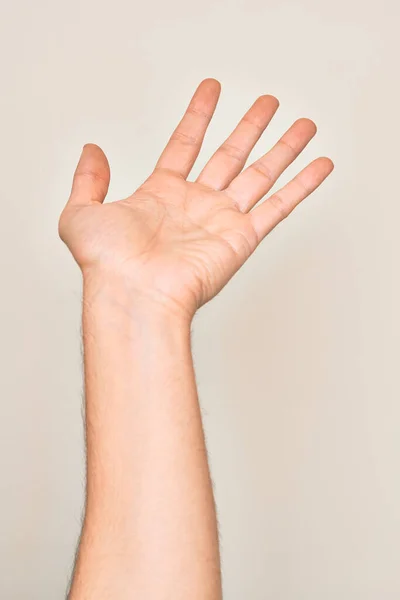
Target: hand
x=178 y=242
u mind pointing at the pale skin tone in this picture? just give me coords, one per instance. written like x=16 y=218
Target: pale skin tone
x=149 y=262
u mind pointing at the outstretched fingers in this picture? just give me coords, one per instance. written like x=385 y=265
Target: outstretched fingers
x=231 y=156
x=256 y=181
x=184 y=145
x=278 y=206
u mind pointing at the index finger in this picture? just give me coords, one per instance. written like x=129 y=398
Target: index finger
x=184 y=144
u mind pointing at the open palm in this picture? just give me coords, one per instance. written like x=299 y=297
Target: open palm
x=176 y=241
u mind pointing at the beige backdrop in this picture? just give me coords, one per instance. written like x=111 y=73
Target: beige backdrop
x=297 y=359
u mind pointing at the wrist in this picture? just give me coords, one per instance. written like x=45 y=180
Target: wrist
x=118 y=296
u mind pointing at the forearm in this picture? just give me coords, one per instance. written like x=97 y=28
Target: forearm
x=150 y=528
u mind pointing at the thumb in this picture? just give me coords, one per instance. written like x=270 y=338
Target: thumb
x=92 y=176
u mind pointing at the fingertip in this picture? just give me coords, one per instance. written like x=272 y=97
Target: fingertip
x=307 y=124
x=93 y=148
x=273 y=98
x=89 y=146
x=269 y=99
x=327 y=163
x=211 y=83
x=92 y=153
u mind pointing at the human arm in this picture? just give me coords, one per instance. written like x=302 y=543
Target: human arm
x=148 y=263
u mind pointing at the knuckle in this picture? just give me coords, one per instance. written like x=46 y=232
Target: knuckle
x=185 y=138
x=91 y=175
x=233 y=151
x=290 y=148
x=198 y=112
x=281 y=207
x=303 y=189
x=254 y=122
x=264 y=170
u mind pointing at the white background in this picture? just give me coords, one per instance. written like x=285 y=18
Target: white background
x=297 y=359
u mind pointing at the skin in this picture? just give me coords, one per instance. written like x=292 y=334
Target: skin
x=149 y=262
